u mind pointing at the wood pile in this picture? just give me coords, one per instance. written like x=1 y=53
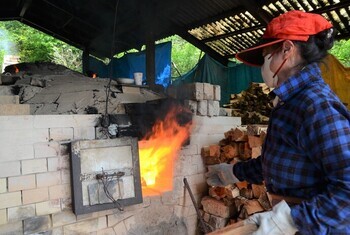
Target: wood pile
x=230 y=204
x=252 y=105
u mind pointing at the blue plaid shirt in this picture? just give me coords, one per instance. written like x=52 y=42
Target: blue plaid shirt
x=306 y=154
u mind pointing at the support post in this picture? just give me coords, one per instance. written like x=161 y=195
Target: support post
x=151 y=61
x=86 y=62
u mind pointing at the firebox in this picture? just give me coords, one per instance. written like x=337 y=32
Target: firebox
x=105 y=174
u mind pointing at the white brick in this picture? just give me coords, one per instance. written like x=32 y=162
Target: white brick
x=226 y=121
x=50 y=121
x=60 y=134
x=203 y=140
x=3 y=185
x=192 y=91
x=16 y=152
x=20 y=137
x=86 y=227
x=21 y=183
x=34 y=166
x=217 y=92
x=35 y=195
x=197 y=161
x=202 y=108
x=10 y=200
x=3 y=217
x=84 y=133
x=47 y=149
x=14 y=109
x=65 y=176
x=36 y=224
x=16 y=122
x=63 y=218
x=21 y=212
x=66 y=204
x=208 y=91
x=60 y=191
x=9 y=99
x=120 y=229
x=53 y=164
x=12 y=229
x=189 y=149
x=107 y=231
x=10 y=169
x=48 y=179
x=213 y=108
x=191 y=105
x=48 y=207
x=63 y=163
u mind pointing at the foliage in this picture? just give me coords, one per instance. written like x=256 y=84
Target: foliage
x=341 y=50
x=183 y=55
x=68 y=56
x=34 y=46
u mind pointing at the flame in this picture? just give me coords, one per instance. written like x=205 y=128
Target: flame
x=94 y=75
x=16 y=69
x=158 y=150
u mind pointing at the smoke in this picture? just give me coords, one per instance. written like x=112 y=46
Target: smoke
x=6 y=44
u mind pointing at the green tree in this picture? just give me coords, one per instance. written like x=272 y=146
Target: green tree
x=183 y=55
x=35 y=46
x=341 y=50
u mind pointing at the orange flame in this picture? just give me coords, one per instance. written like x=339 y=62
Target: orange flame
x=159 y=150
x=94 y=75
x=16 y=69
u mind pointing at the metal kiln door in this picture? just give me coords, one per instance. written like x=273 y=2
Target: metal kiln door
x=105 y=174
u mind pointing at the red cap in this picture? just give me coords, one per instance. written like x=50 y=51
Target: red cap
x=292 y=25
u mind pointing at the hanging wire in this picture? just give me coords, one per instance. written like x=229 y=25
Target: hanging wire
x=106 y=179
x=105 y=122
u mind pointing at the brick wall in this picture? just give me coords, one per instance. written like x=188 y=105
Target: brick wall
x=35 y=195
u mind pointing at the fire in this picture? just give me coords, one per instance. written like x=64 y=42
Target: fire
x=159 y=150
x=94 y=75
x=16 y=69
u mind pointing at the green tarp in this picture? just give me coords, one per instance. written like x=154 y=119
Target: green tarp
x=232 y=78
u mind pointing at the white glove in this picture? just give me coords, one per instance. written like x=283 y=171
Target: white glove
x=275 y=222
x=221 y=175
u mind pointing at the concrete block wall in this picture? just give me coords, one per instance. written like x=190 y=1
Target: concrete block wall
x=203 y=99
x=35 y=193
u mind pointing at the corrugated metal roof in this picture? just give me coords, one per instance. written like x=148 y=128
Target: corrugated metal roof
x=221 y=28
x=231 y=34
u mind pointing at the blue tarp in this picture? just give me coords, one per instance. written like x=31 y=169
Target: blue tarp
x=232 y=78
x=126 y=66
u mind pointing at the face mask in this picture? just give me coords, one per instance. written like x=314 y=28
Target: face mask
x=269 y=77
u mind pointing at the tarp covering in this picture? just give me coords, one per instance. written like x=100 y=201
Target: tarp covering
x=126 y=66
x=232 y=78
x=338 y=78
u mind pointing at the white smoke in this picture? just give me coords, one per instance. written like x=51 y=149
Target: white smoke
x=6 y=45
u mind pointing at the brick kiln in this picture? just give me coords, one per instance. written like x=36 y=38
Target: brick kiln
x=37 y=161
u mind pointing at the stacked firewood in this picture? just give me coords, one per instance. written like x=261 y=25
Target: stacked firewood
x=232 y=203
x=252 y=105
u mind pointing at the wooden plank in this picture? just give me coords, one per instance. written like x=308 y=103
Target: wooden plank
x=238 y=228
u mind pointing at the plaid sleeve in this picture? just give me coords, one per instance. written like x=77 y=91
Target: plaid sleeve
x=325 y=138
x=250 y=171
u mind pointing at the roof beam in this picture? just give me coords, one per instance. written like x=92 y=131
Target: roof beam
x=25 y=7
x=329 y=8
x=216 y=18
x=255 y=8
x=72 y=15
x=218 y=37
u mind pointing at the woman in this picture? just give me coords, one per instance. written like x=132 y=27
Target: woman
x=305 y=162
